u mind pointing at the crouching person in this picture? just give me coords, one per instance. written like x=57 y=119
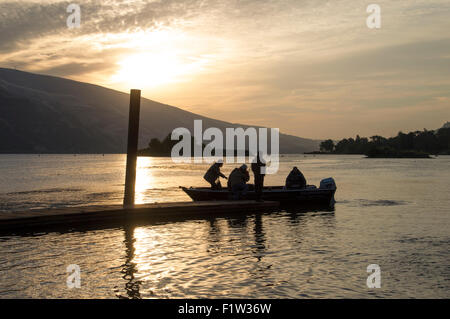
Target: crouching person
x=237 y=182
x=213 y=173
x=295 y=179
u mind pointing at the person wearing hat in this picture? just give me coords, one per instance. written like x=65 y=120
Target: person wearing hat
x=237 y=182
x=213 y=173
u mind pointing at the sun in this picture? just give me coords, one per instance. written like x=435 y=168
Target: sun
x=148 y=69
x=157 y=58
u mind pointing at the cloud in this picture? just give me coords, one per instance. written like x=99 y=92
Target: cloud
x=288 y=63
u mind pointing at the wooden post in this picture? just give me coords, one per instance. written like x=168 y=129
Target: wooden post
x=133 y=134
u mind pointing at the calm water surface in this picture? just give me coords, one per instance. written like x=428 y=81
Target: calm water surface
x=390 y=212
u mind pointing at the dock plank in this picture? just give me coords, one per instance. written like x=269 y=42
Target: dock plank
x=104 y=213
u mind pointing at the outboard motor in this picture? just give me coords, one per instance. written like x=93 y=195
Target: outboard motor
x=328 y=183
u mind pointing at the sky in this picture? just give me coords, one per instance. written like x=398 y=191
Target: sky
x=312 y=68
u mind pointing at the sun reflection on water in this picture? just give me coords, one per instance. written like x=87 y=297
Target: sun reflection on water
x=144 y=179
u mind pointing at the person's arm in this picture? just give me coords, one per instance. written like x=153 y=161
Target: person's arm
x=221 y=175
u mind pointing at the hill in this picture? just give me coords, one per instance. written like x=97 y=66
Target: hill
x=46 y=114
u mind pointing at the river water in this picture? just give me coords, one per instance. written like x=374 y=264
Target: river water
x=389 y=212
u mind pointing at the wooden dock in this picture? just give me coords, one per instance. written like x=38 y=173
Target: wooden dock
x=92 y=215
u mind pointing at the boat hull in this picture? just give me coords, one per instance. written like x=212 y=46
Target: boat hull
x=299 y=197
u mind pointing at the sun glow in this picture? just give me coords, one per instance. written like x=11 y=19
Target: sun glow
x=148 y=70
x=157 y=58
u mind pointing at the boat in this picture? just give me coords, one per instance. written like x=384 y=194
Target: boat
x=309 y=196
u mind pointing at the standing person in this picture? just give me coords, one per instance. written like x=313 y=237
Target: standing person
x=213 y=173
x=237 y=182
x=295 y=179
x=259 y=177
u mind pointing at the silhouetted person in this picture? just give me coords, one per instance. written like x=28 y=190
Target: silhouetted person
x=213 y=173
x=237 y=182
x=259 y=177
x=295 y=179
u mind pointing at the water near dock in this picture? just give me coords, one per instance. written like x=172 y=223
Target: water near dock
x=390 y=212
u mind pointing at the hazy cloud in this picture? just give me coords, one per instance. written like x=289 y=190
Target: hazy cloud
x=302 y=65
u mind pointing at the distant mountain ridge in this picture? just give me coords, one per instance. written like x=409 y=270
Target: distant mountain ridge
x=46 y=114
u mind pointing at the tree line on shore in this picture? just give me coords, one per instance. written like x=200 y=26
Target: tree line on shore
x=164 y=147
x=161 y=148
x=412 y=144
